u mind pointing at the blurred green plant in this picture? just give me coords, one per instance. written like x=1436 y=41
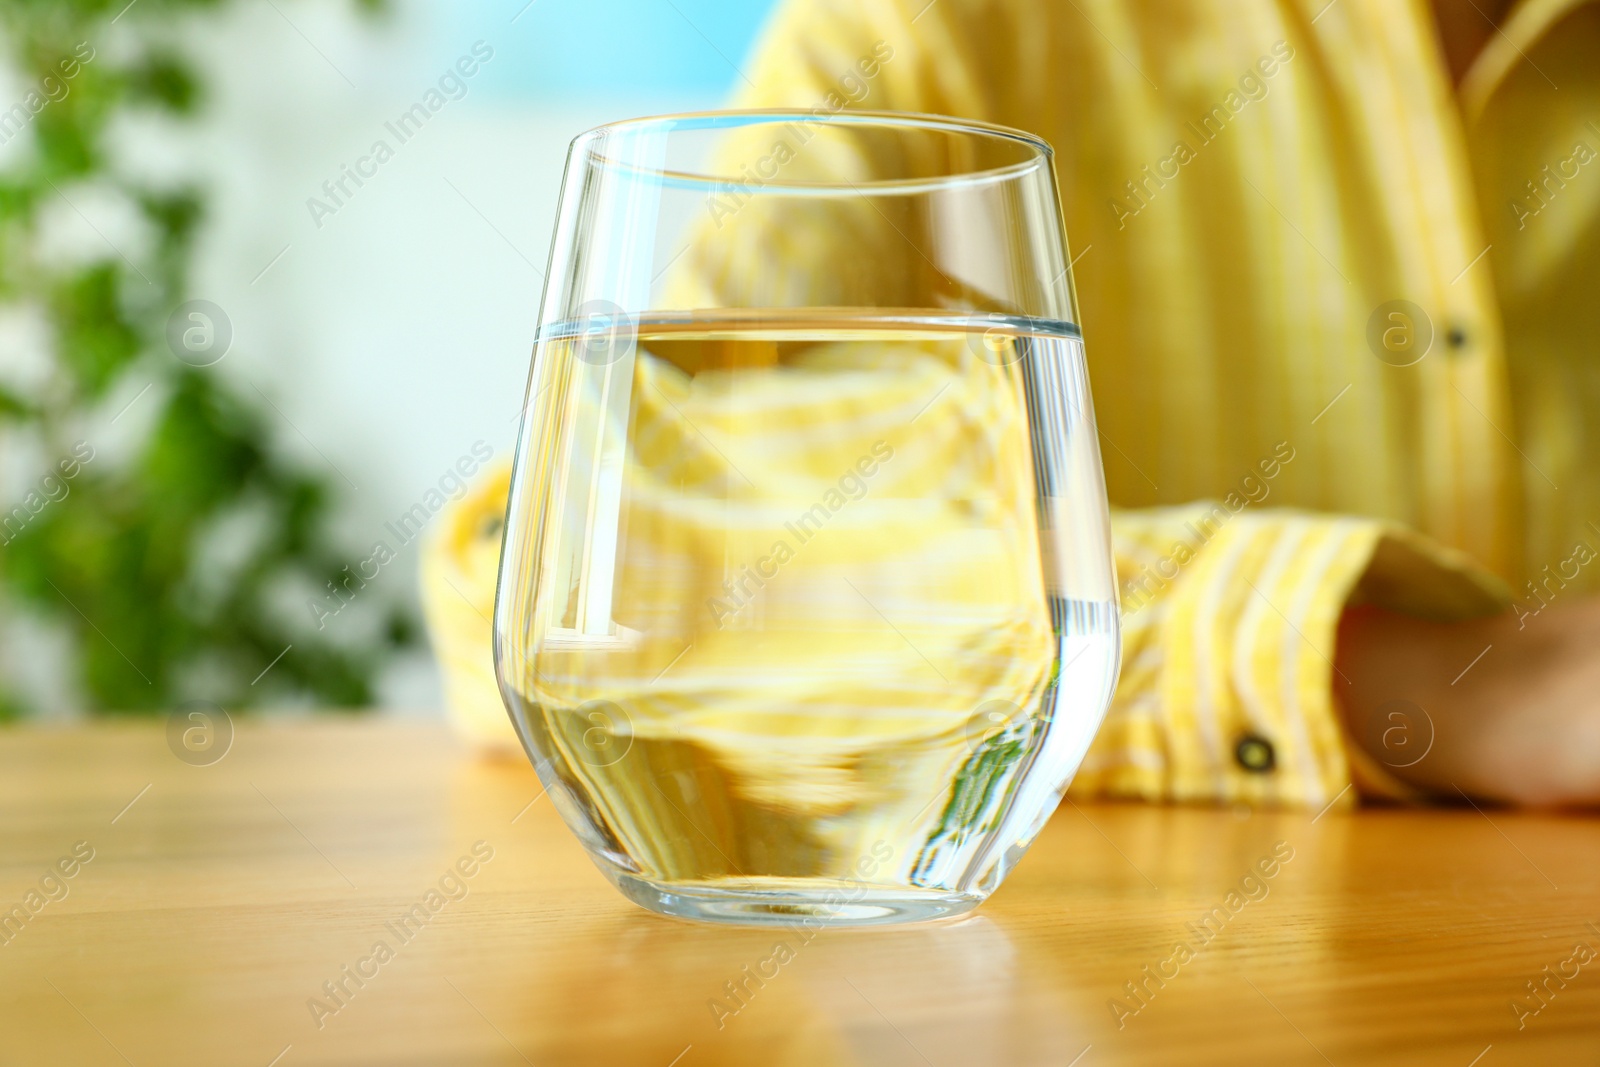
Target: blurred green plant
x=127 y=559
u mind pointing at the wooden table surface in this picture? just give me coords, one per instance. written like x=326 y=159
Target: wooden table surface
x=219 y=899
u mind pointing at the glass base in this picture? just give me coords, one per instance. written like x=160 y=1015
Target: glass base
x=794 y=902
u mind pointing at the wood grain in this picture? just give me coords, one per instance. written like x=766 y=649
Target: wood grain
x=217 y=904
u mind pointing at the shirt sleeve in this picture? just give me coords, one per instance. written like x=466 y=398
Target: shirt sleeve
x=460 y=562
x=1229 y=690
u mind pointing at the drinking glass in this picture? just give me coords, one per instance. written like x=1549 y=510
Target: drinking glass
x=806 y=606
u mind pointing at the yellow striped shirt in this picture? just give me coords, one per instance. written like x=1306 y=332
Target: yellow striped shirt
x=1339 y=317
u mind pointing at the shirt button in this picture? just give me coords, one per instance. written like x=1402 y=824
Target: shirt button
x=1255 y=754
x=1457 y=338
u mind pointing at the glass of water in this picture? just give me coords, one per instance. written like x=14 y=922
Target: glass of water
x=807 y=610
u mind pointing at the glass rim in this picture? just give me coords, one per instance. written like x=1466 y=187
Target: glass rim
x=1038 y=148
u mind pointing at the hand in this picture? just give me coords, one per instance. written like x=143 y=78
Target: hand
x=1521 y=724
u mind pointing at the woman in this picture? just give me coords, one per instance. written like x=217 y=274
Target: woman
x=1337 y=266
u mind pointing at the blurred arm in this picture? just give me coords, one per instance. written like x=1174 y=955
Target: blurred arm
x=1513 y=703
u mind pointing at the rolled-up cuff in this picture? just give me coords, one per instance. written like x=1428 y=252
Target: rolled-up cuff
x=1229 y=688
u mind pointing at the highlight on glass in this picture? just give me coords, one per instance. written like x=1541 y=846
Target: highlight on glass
x=807 y=608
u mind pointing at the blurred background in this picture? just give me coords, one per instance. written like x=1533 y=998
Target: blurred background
x=269 y=272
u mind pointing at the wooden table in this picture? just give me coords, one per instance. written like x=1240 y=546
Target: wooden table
x=221 y=898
